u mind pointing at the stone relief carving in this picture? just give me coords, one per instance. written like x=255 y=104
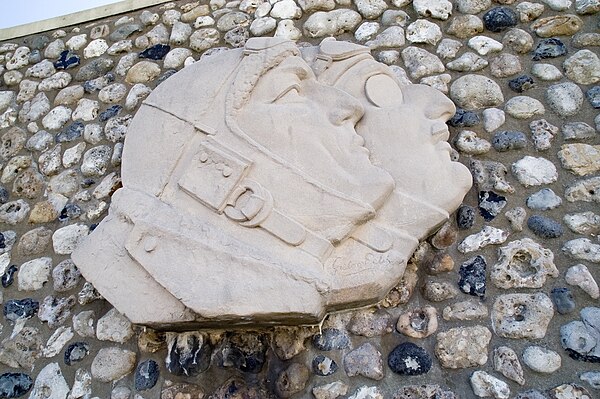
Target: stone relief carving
x=270 y=185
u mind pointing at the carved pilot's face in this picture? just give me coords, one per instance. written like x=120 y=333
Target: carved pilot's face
x=311 y=126
x=405 y=129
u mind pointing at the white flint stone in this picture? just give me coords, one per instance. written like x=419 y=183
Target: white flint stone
x=493 y=118
x=472 y=6
x=587 y=6
x=14 y=166
x=56 y=118
x=204 y=21
x=34 y=109
x=106 y=186
x=485 y=385
x=388 y=57
x=204 y=38
x=112 y=93
x=57 y=81
x=34 y=274
x=82 y=386
x=558 y=5
x=77 y=42
x=507 y=362
x=366 y=31
x=112 y=363
x=122 y=46
x=14 y=212
x=313 y=5
x=72 y=155
x=370 y=9
x=582 y=249
x=180 y=33
x=50 y=384
x=365 y=392
x=66 y=239
x=524 y=107
x=579 y=158
x=592 y=378
x=487 y=236
x=114 y=327
x=12 y=78
x=41 y=70
x=57 y=341
x=473 y=92
x=19 y=59
x=448 y=48
x=468 y=62
x=92 y=133
x=125 y=63
x=522 y=315
x=484 y=45
x=83 y=323
x=564 y=98
x=87 y=110
x=54 y=49
x=6 y=99
x=468 y=142
x=142 y=72
x=171 y=16
x=541 y=359
x=465 y=310
x=330 y=391
x=69 y=95
x=176 y=57
x=261 y=26
x=395 y=17
x=583 y=223
x=531 y=171
x=420 y=62
x=580 y=276
x=546 y=72
x=158 y=35
x=423 y=31
x=95 y=49
x=137 y=93
x=438 y=9
x=286 y=9
x=438 y=82
x=391 y=37
x=287 y=30
x=321 y=23
x=95 y=161
x=583 y=67
x=529 y=11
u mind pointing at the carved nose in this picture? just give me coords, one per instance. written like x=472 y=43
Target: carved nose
x=343 y=108
x=440 y=107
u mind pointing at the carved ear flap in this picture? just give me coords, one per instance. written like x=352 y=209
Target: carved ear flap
x=383 y=91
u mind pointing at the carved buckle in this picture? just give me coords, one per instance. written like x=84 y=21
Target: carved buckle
x=249 y=204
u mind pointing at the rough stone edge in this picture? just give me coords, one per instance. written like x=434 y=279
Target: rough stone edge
x=77 y=18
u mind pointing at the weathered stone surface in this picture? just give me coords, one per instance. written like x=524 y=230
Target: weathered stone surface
x=463 y=347
x=112 y=363
x=581 y=159
x=485 y=385
x=580 y=338
x=523 y=264
x=507 y=362
x=475 y=92
x=522 y=315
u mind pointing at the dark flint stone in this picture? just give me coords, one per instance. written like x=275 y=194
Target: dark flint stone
x=499 y=18
x=490 y=204
x=72 y=132
x=465 y=217
x=13 y=385
x=166 y=76
x=87 y=182
x=124 y=31
x=509 y=140
x=93 y=226
x=16 y=309
x=324 y=366
x=67 y=60
x=549 y=48
x=463 y=118
x=593 y=96
x=4 y=195
x=94 y=69
x=472 y=277
x=188 y=354
x=330 y=339
x=403 y=358
x=37 y=42
x=94 y=85
x=146 y=375
x=245 y=352
x=563 y=300
x=2 y=241
x=75 y=352
x=156 y=52
x=69 y=212
x=9 y=276
x=521 y=83
x=544 y=227
x=109 y=113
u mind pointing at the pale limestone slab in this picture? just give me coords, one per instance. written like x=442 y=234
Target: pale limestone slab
x=268 y=185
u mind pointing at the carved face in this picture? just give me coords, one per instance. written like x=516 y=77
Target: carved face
x=312 y=127
x=405 y=129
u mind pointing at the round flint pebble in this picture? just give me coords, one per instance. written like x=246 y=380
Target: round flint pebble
x=509 y=140
x=13 y=385
x=465 y=217
x=544 y=227
x=464 y=118
x=409 y=359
